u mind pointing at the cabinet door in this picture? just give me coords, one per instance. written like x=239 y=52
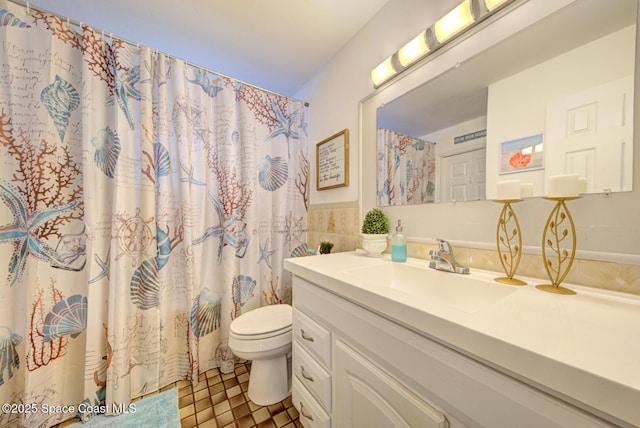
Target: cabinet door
x=365 y=396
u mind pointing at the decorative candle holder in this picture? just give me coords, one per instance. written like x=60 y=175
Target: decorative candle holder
x=509 y=242
x=558 y=260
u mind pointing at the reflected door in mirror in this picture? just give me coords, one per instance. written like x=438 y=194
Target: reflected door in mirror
x=463 y=176
x=590 y=133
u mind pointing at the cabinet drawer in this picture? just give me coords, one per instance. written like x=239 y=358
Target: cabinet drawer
x=311 y=413
x=311 y=374
x=313 y=337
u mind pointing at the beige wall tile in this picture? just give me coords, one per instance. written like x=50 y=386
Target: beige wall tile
x=337 y=225
x=612 y=276
x=341 y=226
x=331 y=221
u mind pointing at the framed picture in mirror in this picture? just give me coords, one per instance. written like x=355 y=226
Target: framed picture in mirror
x=523 y=154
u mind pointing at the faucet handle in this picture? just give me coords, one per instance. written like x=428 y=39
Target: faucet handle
x=444 y=246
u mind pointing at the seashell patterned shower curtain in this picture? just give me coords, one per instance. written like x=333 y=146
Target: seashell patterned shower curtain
x=406 y=169
x=144 y=204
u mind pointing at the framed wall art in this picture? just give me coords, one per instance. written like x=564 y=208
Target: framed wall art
x=332 y=161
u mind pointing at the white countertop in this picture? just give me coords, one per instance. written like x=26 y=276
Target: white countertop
x=584 y=348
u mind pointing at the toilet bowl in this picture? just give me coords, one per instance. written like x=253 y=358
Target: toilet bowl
x=263 y=335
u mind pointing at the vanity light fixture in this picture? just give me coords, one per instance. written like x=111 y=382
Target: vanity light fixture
x=464 y=16
x=492 y=4
x=384 y=71
x=407 y=55
x=414 y=50
x=454 y=22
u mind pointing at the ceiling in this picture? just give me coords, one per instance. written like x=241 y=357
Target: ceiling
x=275 y=44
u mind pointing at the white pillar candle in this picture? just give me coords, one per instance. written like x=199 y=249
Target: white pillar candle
x=582 y=185
x=563 y=186
x=508 y=190
x=526 y=190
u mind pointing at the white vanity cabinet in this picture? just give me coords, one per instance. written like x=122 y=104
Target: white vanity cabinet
x=383 y=374
x=311 y=365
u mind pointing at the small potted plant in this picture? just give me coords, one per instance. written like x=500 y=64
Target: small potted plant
x=375 y=230
x=325 y=247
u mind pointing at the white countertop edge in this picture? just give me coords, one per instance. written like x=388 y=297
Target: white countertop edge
x=602 y=396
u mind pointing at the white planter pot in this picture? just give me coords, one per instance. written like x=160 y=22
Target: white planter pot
x=374 y=244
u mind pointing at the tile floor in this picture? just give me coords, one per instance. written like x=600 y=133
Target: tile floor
x=220 y=401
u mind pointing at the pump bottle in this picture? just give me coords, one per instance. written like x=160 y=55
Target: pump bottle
x=399 y=245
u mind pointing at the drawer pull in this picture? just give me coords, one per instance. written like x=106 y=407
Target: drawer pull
x=305 y=375
x=305 y=337
x=305 y=414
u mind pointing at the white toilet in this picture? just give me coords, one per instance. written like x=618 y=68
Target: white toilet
x=263 y=335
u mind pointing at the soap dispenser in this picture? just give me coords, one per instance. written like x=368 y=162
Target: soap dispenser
x=399 y=245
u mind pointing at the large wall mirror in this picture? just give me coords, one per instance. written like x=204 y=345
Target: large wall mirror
x=555 y=97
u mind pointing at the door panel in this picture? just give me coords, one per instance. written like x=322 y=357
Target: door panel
x=368 y=397
x=464 y=176
x=590 y=133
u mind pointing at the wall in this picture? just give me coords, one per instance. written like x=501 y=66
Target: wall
x=342 y=96
x=444 y=138
x=335 y=94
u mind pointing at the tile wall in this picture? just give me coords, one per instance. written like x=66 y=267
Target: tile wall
x=340 y=224
x=337 y=223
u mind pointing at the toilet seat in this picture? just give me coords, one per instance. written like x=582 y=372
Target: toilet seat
x=262 y=323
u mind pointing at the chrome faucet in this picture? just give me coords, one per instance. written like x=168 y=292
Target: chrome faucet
x=443 y=259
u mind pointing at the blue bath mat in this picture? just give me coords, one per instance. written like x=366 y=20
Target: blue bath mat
x=157 y=411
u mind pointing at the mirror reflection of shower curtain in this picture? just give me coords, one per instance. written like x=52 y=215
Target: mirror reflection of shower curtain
x=144 y=204
x=406 y=169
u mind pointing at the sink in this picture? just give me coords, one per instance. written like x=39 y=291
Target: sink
x=461 y=292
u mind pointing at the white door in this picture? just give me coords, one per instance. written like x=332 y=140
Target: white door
x=590 y=133
x=368 y=397
x=463 y=176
